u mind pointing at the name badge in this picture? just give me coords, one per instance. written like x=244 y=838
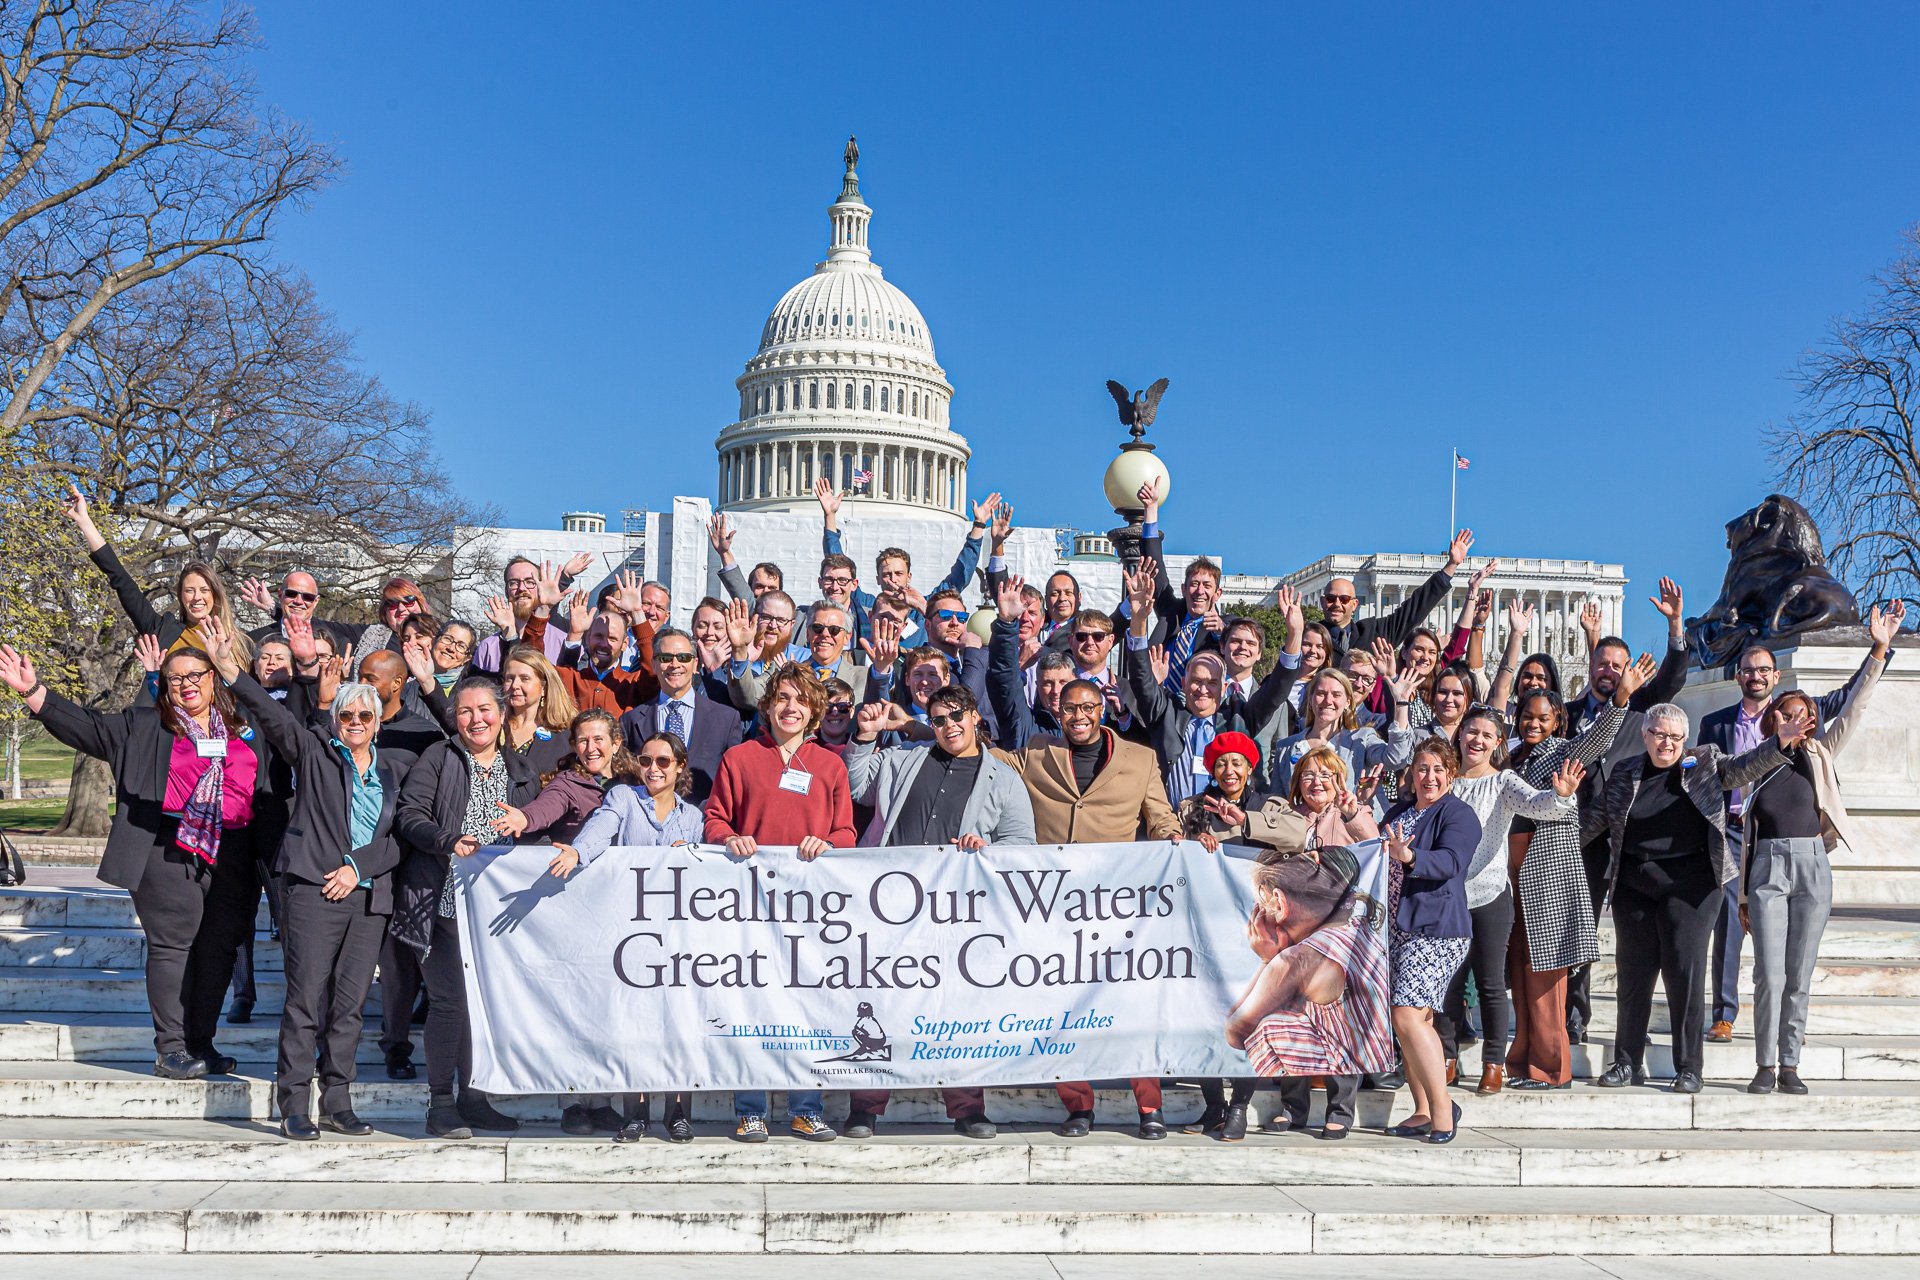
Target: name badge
x=798 y=781
x=211 y=748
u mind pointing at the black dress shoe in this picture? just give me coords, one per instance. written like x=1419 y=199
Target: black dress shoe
x=347 y=1123
x=400 y=1063
x=573 y=1120
x=607 y=1120
x=975 y=1126
x=1333 y=1133
x=1210 y=1121
x=298 y=1128
x=859 y=1124
x=1153 y=1126
x=1620 y=1075
x=1790 y=1081
x=479 y=1112
x=1408 y=1130
x=240 y=1013
x=218 y=1064
x=1235 y=1128
x=1530 y=1085
x=1437 y=1138
x=1078 y=1124
x=1762 y=1082
x=179 y=1065
x=1687 y=1081
x=443 y=1119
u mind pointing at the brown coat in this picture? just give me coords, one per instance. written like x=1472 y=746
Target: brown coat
x=1127 y=800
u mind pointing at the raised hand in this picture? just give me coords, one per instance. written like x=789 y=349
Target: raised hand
x=332 y=670
x=1638 y=672
x=1482 y=608
x=500 y=614
x=147 y=649
x=1398 y=847
x=1213 y=621
x=1402 y=685
x=74 y=506
x=579 y=615
x=1159 y=663
x=1225 y=810
x=1140 y=585
x=740 y=629
x=911 y=598
x=1002 y=525
x=1457 y=550
x=510 y=822
x=1480 y=575
x=720 y=536
x=220 y=647
x=1348 y=804
x=983 y=510
x=1794 y=726
x=258 y=594
x=16 y=670
x=870 y=721
x=1009 y=598
x=626 y=594
x=1386 y=661
x=1287 y=601
x=1369 y=783
x=576 y=564
x=299 y=634
x=883 y=650
x=1668 y=602
x=828 y=497
x=1568 y=777
x=1590 y=622
x=1883 y=624
x=1148 y=496
x=419 y=659
x=548 y=585
x=1519 y=616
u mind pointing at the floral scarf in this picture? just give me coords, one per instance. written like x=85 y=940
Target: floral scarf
x=200 y=820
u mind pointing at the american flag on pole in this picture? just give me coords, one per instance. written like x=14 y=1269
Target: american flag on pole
x=862 y=478
x=1459 y=461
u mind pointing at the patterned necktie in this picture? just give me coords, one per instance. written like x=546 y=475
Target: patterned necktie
x=676 y=722
x=1180 y=651
x=1200 y=736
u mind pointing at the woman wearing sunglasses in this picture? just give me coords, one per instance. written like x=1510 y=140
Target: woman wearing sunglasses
x=336 y=865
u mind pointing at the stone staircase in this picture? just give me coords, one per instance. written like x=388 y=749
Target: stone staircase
x=99 y=1158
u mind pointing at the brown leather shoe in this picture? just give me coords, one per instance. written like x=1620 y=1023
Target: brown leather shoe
x=1453 y=1070
x=1720 y=1032
x=1492 y=1080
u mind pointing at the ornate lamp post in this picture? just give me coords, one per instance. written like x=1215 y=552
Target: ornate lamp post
x=1136 y=465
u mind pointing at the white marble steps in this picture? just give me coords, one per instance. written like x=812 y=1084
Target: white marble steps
x=129 y=1091
x=1848 y=937
x=1831 y=977
x=888 y=1218
x=115 y=1150
x=93 y=906
x=33 y=989
x=1826 y=1016
x=74 y=946
x=128 y=1037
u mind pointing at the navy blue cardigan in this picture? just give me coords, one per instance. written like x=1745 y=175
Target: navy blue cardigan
x=1433 y=893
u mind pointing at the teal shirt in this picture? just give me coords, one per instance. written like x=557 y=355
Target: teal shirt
x=363 y=819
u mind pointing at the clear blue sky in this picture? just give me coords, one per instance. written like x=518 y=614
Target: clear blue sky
x=1586 y=248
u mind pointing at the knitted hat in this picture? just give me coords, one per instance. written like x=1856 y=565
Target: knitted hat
x=1237 y=743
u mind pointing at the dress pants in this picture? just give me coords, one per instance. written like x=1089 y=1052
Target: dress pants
x=1214 y=1090
x=1663 y=914
x=1594 y=860
x=1078 y=1094
x=1728 y=935
x=1540 y=1050
x=399 y=992
x=1296 y=1094
x=753 y=1102
x=244 y=988
x=961 y=1103
x=194 y=917
x=1789 y=898
x=331 y=950
x=449 y=1040
x=1487 y=961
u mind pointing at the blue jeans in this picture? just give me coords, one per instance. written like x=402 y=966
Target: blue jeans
x=800 y=1102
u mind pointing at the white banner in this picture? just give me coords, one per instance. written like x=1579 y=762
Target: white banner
x=657 y=969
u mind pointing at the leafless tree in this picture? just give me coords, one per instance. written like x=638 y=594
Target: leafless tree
x=132 y=144
x=221 y=415
x=1850 y=454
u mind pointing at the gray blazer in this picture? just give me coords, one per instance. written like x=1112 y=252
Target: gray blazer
x=999 y=811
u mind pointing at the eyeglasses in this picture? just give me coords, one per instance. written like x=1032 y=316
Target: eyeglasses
x=952 y=717
x=1758 y=671
x=951 y=615
x=836 y=580
x=825 y=629
x=840 y=708
x=304 y=597
x=657 y=762
x=1671 y=739
x=674 y=657
x=355 y=717
x=1090 y=637
x=1334 y=598
x=1080 y=710
x=770 y=620
x=455 y=646
x=189 y=678
x=391 y=602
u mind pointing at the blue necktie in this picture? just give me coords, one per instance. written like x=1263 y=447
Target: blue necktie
x=676 y=722
x=1180 y=651
x=1200 y=736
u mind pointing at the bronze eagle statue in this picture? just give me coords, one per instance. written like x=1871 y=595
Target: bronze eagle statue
x=1137 y=408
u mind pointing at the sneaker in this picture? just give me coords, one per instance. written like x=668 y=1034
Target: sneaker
x=574 y=1121
x=859 y=1124
x=750 y=1129
x=975 y=1127
x=680 y=1129
x=810 y=1128
x=631 y=1131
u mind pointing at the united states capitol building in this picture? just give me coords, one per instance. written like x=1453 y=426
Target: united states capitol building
x=845 y=385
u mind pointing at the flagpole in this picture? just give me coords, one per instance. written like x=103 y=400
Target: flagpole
x=1453 y=499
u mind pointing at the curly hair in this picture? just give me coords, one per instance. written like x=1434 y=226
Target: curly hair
x=805 y=683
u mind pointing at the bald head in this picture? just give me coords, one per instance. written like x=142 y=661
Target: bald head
x=387 y=673
x=299 y=593
x=1338 y=600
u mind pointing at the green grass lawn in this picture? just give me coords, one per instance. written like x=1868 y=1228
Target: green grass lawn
x=32 y=815
x=42 y=757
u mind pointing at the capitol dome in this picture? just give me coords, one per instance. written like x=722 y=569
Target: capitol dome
x=844 y=385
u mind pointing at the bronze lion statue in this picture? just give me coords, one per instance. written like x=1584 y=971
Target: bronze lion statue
x=1777 y=585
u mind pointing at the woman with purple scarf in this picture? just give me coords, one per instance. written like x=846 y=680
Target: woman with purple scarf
x=185 y=773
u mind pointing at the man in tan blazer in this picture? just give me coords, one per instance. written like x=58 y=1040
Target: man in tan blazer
x=1089 y=786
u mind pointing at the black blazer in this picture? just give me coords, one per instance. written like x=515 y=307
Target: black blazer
x=138 y=746
x=1584 y=710
x=318 y=837
x=716 y=727
x=433 y=805
x=1396 y=626
x=146 y=619
x=1166 y=717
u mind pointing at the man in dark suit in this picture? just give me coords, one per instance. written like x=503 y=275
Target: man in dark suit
x=707 y=727
x=1339 y=602
x=1735 y=729
x=1606 y=664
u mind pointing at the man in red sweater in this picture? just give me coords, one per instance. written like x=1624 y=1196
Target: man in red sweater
x=780 y=789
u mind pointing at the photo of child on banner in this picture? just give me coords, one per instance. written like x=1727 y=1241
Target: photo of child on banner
x=1319 y=1004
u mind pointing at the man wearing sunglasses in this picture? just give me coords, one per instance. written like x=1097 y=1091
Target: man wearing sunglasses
x=1339 y=602
x=950 y=792
x=829 y=631
x=298 y=597
x=705 y=727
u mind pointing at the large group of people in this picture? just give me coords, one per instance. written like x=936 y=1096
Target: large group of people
x=343 y=767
